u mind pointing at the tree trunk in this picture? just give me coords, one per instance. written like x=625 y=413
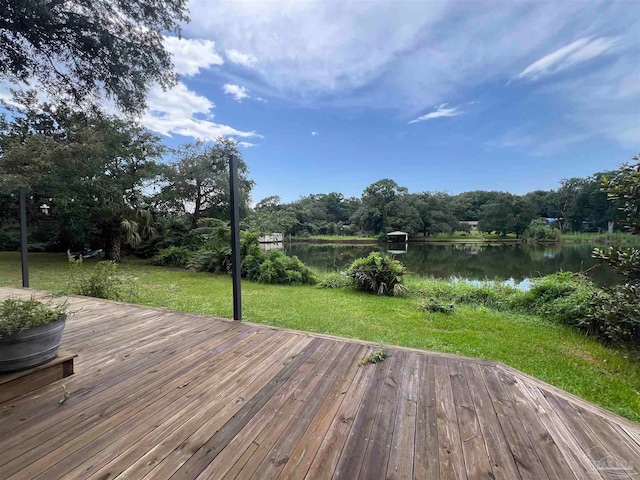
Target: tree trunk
x=114 y=249
x=197 y=207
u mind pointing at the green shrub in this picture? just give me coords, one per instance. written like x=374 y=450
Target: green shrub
x=539 y=231
x=212 y=261
x=614 y=315
x=103 y=281
x=564 y=297
x=259 y=266
x=276 y=267
x=215 y=256
x=17 y=315
x=178 y=257
x=379 y=274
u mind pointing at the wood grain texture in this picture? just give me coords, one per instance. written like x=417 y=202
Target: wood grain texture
x=160 y=394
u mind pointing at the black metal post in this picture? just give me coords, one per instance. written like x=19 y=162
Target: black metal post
x=235 y=236
x=23 y=237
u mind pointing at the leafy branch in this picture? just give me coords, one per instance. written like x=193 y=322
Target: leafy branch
x=375 y=357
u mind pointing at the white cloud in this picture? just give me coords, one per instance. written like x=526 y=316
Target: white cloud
x=183 y=112
x=576 y=52
x=238 y=92
x=246 y=59
x=403 y=55
x=313 y=134
x=407 y=56
x=541 y=145
x=247 y=144
x=612 y=110
x=439 y=112
x=190 y=56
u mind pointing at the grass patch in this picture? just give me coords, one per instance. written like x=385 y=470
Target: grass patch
x=534 y=344
x=619 y=238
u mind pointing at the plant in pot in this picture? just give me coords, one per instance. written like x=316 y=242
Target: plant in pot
x=30 y=333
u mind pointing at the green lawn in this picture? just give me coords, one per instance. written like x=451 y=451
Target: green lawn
x=556 y=354
x=618 y=238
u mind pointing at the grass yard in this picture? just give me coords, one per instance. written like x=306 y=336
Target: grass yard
x=556 y=354
x=618 y=238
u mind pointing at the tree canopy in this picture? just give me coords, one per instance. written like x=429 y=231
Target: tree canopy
x=93 y=171
x=198 y=180
x=82 y=49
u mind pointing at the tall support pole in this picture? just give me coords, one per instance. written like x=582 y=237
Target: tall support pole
x=23 y=237
x=235 y=237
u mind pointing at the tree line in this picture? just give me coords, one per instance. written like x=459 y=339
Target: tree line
x=578 y=204
x=110 y=183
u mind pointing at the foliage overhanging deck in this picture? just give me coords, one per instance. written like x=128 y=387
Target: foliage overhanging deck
x=160 y=394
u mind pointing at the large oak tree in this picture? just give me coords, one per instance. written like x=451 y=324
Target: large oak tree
x=94 y=171
x=83 y=49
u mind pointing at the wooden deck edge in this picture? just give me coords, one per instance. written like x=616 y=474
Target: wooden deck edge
x=591 y=407
x=13 y=385
x=540 y=383
x=451 y=356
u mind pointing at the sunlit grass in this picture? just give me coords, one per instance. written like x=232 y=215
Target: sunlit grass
x=618 y=238
x=556 y=354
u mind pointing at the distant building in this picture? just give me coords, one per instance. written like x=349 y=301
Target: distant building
x=473 y=224
x=398 y=237
x=271 y=238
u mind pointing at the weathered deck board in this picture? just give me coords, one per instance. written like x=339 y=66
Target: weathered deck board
x=160 y=394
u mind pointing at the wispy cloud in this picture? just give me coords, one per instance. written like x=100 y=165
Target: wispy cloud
x=604 y=102
x=313 y=134
x=190 y=56
x=577 y=52
x=403 y=55
x=541 y=144
x=183 y=112
x=246 y=59
x=247 y=144
x=238 y=92
x=439 y=112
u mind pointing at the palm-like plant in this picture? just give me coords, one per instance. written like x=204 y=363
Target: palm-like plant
x=135 y=228
x=379 y=274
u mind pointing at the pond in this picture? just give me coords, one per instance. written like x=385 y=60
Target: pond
x=513 y=262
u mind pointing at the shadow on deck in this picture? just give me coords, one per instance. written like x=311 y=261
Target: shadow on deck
x=160 y=394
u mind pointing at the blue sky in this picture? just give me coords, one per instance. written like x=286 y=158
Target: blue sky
x=440 y=96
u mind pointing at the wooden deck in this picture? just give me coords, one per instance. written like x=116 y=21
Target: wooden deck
x=159 y=394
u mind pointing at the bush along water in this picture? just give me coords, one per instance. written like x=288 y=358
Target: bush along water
x=379 y=274
x=615 y=312
x=540 y=231
x=563 y=297
x=214 y=256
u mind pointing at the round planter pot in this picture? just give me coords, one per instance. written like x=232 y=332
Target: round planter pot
x=30 y=348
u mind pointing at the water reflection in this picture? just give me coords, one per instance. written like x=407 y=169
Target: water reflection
x=473 y=262
x=397 y=248
x=523 y=285
x=265 y=247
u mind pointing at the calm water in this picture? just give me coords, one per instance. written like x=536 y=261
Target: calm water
x=472 y=262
